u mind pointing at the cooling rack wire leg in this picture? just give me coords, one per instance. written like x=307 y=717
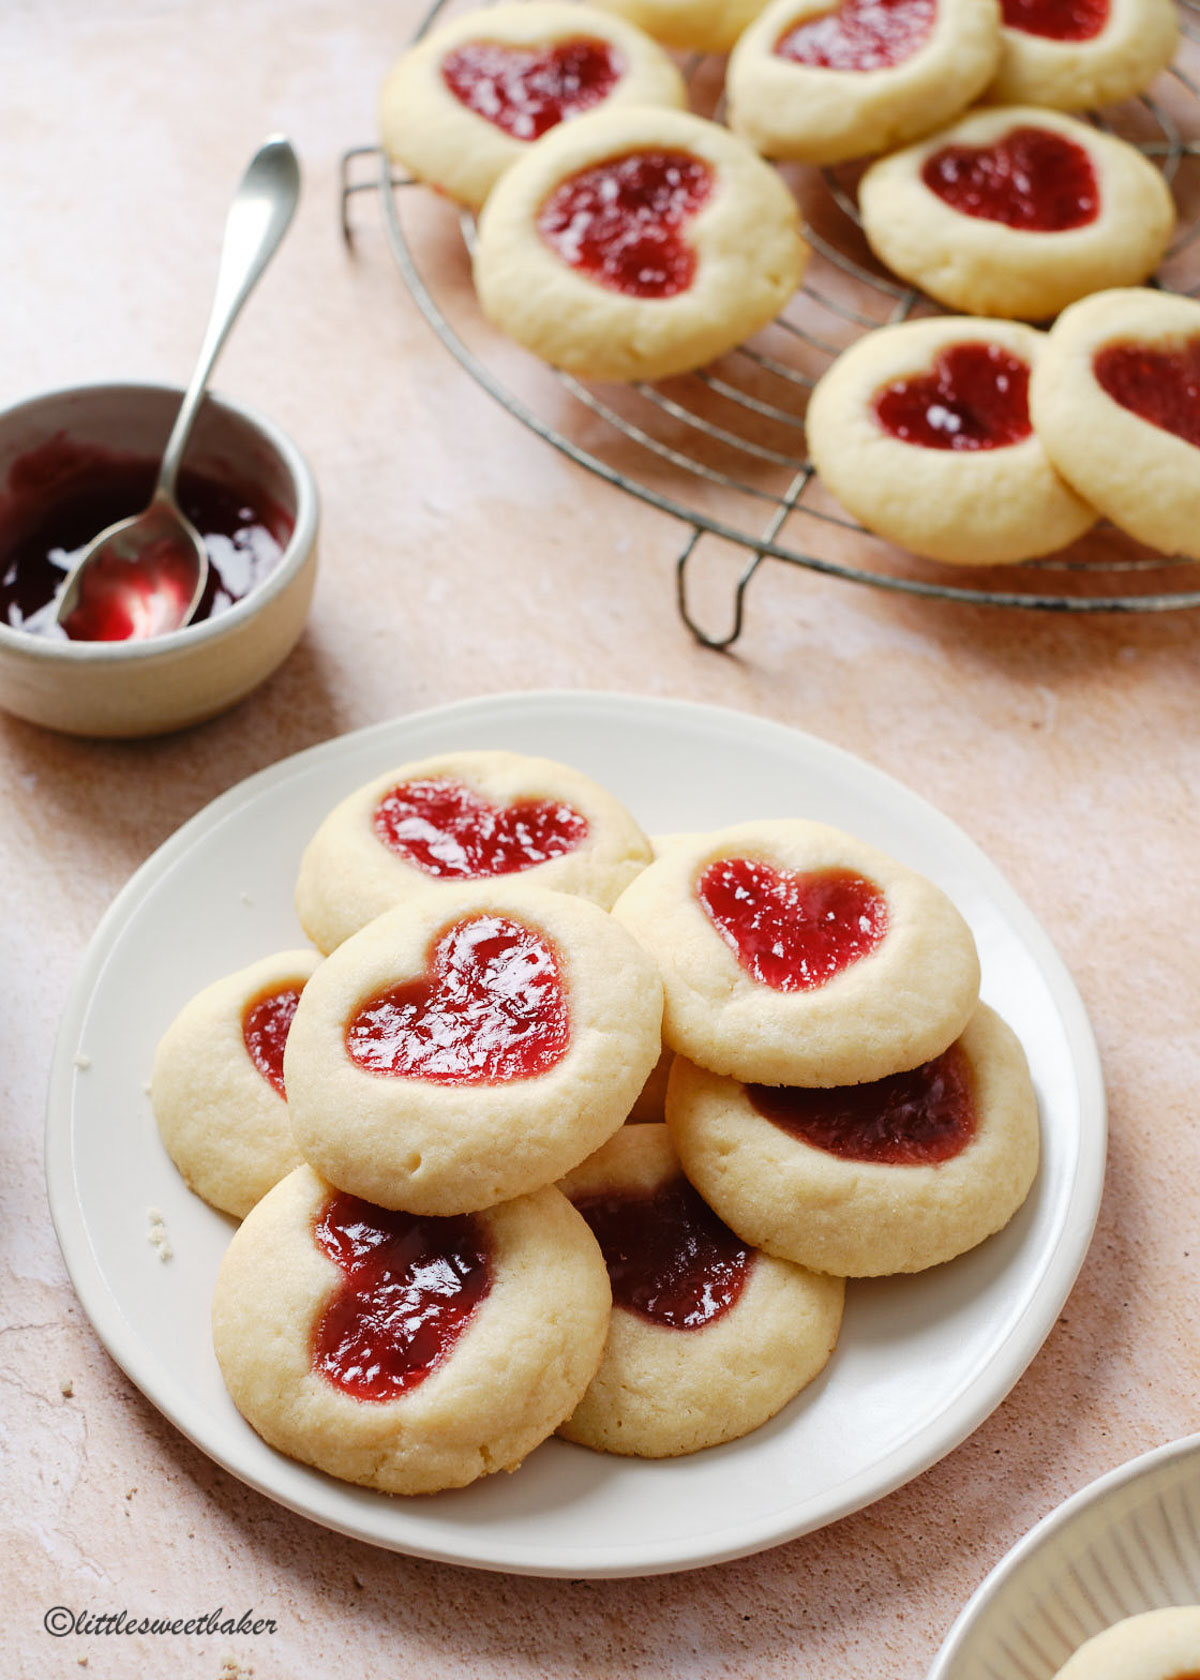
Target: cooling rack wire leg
x=719 y=643
x=350 y=186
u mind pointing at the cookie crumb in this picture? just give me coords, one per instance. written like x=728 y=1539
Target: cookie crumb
x=247 y=899
x=232 y=1669
x=82 y=1062
x=66 y=1387
x=157 y=1236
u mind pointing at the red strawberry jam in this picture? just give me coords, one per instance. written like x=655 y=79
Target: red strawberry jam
x=977 y=397
x=527 y=90
x=411 y=1286
x=1032 y=179
x=861 y=35
x=791 y=931
x=621 y=223
x=265 y=1027
x=669 y=1257
x=1161 y=386
x=911 y=1119
x=447 y=830
x=492 y=1007
x=1056 y=20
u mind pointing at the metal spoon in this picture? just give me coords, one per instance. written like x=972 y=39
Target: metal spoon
x=151 y=570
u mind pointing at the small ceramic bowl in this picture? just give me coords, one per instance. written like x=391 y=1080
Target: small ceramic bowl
x=166 y=682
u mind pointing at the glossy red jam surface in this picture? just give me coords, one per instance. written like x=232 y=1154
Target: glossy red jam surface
x=1161 y=386
x=410 y=1287
x=62 y=494
x=447 y=830
x=622 y=222
x=861 y=35
x=1032 y=179
x=906 y=1120
x=976 y=397
x=527 y=90
x=791 y=931
x=265 y=1027
x=492 y=1008
x=669 y=1257
x=1057 y=20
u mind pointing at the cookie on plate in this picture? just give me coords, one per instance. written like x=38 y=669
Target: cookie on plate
x=475 y=1044
x=793 y=953
x=217 y=1087
x=637 y=243
x=708 y=26
x=1017 y=211
x=404 y=1353
x=1157 y=1645
x=1116 y=400
x=1078 y=54
x=821 y=84
x=468 y=99
x=464 y=816
x=922 y=431
x=891 y=1176
x=708 y=1338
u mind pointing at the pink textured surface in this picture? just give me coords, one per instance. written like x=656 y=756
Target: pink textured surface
x=1069 y=750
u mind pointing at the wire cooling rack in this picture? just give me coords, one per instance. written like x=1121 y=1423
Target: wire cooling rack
x=722 y=450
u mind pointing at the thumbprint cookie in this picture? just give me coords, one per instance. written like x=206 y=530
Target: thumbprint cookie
x=405 y=1353
x=477 y=1043
x=635 y=244
x=217 y=1088
x=708 y=26
x=1157 y=1645
x=796 y=954
x=922 y=431
x=1078 y=54
x=470 y=97
x=1017 y=211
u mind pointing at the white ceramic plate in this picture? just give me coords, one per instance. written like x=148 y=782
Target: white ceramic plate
x=1127 y=1543
x=922 y=1360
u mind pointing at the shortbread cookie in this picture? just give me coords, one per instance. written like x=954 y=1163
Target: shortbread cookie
x=795 y=954
x=651 y=1100
x=468 y=99
x=709 y=1339
x=708 y=26
x=1077 y=54
x=475 y=1044
x=464 y=817
x=891 y=1176
x=1017 y=211
x=1157 y=1645
x=922 y=431
x=406 y=1353
x=822 y=82
x=633 y=244
x=217 y=1087
x=1116 y=400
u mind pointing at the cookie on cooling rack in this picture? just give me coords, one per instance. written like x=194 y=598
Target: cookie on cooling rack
x=1018 y=212
x=477 y=1043
x=922 y=431
x=635 y=244
x=403 y=1353
x=708 y=1339
x=217 y=1087
x=708 y=26
x=793 y=953
x=1157 y=1645
x=468 y=99
x=1078 y=54
x=892 y=1175
x=1116 y=400
x=464 y=816
x=821 y=85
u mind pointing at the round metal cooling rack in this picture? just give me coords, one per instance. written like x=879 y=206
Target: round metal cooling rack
x=722 y=450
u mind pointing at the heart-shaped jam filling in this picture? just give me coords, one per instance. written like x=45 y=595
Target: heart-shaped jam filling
x=861 y=35
x=447 y=830
x=527 y=90
x=669 y=1257
x=265 y=1027
x=913 y=1119
x=976 y=397
x=1032 y=179
x=622 y=222
x=410 y=1287
x=792 y=931
x=1161 y=386
x=1057 y=20
x=492 y=1007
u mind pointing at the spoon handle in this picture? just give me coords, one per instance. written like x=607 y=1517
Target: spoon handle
x=259 y=216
